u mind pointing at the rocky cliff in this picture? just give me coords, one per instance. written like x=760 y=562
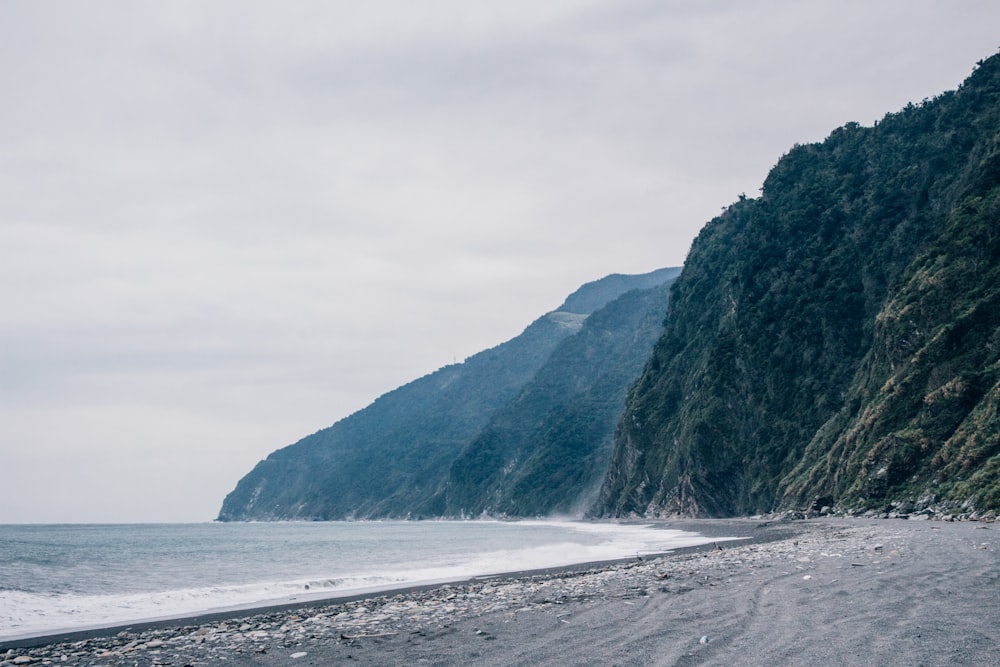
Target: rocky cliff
x=838 y=336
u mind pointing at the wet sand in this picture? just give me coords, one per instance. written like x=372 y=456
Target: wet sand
x=831 y=591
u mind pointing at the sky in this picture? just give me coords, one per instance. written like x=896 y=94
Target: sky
x=227 y=225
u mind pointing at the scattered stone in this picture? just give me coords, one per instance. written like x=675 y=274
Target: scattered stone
x=427 y=613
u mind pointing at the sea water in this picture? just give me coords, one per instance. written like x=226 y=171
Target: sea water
x=56 y=578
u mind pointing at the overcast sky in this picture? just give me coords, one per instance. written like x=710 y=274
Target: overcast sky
x=226 y=225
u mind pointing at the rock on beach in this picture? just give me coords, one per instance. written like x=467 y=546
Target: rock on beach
x=846 y=591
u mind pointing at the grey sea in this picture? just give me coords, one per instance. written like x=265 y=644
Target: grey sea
x=55 y=578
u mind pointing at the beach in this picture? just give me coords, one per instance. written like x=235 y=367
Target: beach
x=835 y=590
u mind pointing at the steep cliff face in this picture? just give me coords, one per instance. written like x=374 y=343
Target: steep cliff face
x=393 y=458
x=547 y=450
x=922 y=420
x=837 y=336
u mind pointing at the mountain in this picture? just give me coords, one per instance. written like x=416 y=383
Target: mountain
x=394 y=458
x=837 y=337
x=547 y=450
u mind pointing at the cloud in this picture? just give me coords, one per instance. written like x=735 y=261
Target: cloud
x=225 y=225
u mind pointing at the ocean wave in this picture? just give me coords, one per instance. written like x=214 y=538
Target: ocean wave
x=422 y=561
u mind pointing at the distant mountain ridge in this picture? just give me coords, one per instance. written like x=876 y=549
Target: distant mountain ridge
x=393 y=458
x=595 y=295
x=547 y=450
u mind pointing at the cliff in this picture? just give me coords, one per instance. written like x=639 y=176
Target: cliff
x=837 y=337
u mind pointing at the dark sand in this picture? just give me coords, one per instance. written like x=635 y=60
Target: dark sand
x=823 y=592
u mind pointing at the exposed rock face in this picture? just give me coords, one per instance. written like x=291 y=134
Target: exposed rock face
x=393 y=458
x=838 y=336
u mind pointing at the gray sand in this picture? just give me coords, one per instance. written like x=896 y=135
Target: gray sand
x=832 y=591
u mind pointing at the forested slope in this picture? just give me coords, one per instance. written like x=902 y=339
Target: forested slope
x=837 y=336
x=393 y=458
x=547 y=451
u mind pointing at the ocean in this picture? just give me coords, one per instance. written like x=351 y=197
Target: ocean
x=56 y=578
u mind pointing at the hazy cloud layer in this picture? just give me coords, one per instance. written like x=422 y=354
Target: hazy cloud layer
x=225 y=225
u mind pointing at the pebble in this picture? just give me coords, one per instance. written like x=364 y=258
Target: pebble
x=923 y=509
x=404 y=614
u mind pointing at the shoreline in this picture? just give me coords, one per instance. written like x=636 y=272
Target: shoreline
x=739 y=529
x=847 y=591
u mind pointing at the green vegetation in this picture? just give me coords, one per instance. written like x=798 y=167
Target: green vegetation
x=837 y=336
x=546 y=452
x=394 y=458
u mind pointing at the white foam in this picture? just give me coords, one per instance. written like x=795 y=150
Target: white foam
x=30 y=614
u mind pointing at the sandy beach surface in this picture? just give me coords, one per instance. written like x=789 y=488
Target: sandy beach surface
x=823 y=591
